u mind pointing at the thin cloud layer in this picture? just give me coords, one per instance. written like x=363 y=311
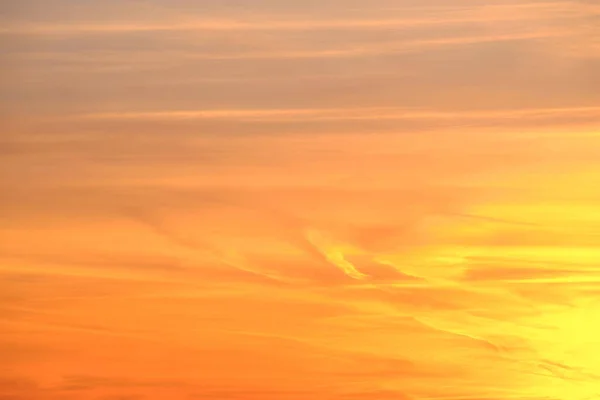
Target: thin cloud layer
x=299 y=200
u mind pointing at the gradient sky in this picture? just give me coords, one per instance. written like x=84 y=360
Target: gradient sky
x=300 y=200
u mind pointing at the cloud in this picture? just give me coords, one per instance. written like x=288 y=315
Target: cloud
x=352 y=114
x=299 y=200
x=433 y=16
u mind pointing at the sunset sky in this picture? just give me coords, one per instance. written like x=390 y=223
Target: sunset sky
x=300 y=200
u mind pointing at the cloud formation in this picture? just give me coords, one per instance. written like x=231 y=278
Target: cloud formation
x=299 y=200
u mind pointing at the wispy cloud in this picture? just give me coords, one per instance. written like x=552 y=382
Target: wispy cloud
x=322 y=200
x=434 y=16
x=348 y=114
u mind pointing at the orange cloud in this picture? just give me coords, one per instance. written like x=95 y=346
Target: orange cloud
x=402 y=225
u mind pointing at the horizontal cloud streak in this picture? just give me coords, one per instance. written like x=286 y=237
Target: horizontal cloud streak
x=441 y=16
x=349 y=114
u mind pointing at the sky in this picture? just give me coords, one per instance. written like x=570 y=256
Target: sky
x=300 y=200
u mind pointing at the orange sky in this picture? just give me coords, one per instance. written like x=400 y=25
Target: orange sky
x=300 y=200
